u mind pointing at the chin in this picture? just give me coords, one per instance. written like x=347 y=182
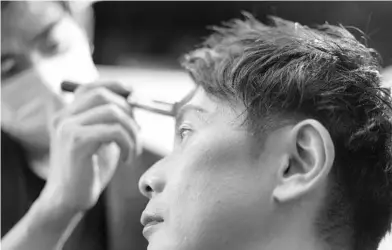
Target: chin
x=159 y=245
x=159 y=241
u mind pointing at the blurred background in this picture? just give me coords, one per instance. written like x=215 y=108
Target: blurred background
x=156 y=34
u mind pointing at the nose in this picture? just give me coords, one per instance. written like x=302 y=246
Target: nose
x=152 y=182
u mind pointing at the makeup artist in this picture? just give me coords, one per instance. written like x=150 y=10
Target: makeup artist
x=43 y=45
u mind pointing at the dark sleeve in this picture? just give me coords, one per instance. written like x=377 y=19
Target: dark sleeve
x=20 y=187
x=14 y=198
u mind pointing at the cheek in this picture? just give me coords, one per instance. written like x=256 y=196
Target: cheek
x=217 y=187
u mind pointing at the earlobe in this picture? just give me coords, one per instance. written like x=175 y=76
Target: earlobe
x=310 y=158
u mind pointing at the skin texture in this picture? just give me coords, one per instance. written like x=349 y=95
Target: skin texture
x=219 y=190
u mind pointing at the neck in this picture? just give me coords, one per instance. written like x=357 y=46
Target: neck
x=294 y=240
x=37 y=154
x=35 y=148
x=294 y=229
x=38 y=158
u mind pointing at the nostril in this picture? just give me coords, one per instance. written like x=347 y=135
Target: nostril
x=151 y=184
x=148 y=189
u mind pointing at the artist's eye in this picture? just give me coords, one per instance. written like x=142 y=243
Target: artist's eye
x=57 y=41
x=53 y=46
x=11 y=66
x=7 y=66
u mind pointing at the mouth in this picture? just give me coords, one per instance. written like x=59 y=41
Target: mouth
x=150 y=223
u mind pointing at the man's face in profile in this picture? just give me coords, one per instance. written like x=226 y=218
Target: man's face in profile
x=214 y=190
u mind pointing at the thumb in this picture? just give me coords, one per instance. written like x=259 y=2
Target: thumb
x=108 y=158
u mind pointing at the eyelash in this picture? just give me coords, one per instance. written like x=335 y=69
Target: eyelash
x=181 y=130
x=54 y=46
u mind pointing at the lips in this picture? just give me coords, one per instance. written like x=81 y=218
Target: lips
x=150 y=223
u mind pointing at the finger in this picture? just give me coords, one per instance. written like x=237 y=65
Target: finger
x=98 y=97
x=94 y=98
x=111 y=114
x=92 y=138
x=113 y=86
x=107 y=155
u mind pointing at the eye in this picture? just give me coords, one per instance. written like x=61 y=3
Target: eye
x=183 y=131
x=53 y=46
x=11 y=66
x=7 y=66
x=56 y=41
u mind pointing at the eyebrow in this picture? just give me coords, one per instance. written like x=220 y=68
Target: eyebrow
x=183 y=110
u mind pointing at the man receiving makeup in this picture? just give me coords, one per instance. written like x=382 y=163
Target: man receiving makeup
x=285 y=144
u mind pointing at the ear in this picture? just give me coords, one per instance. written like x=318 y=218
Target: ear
x=310 y=156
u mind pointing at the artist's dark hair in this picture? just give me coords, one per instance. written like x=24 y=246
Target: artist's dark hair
x=288 y=71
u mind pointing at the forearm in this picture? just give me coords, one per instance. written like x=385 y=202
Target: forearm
x=45 y=226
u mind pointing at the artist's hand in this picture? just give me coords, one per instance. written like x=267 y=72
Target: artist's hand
x=90 y=138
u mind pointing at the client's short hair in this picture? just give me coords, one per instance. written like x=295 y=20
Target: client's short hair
x=286 y=71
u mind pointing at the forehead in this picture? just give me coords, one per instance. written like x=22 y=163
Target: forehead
x=232 y=112
x=200 y=98
x=22 y=21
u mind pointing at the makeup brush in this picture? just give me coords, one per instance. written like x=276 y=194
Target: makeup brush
x=152 y=105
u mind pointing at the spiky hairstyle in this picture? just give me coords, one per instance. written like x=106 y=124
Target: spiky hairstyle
x=289 y=71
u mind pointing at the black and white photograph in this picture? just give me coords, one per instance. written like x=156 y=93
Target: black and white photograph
x=196 y=125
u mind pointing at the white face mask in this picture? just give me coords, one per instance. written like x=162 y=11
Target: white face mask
x=30 y=99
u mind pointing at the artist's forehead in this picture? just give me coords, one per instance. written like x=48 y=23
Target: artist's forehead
x=22 y=21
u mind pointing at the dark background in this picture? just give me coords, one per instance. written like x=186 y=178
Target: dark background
x=156 y=34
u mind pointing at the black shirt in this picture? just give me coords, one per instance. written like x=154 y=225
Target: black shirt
x=20 y=187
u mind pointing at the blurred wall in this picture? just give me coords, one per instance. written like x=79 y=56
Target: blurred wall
x=155 y=34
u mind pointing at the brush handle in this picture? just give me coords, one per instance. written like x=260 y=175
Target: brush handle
x=72 y=86
x=154 y=106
